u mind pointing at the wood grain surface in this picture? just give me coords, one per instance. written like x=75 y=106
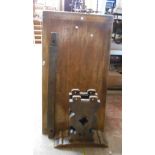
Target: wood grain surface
x=82 y=61
x=114 y=80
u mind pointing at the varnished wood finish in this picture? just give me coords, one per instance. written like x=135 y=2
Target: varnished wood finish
x=83 y=57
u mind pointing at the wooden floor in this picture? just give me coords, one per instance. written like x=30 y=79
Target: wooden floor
x=113 y=130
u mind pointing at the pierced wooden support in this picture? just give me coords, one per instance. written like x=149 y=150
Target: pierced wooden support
x=83 y=107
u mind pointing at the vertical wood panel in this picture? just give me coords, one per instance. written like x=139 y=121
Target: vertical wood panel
x=82 y=59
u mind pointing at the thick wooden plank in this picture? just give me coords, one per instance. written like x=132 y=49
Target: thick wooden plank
x=82 y=60
x=53 y=52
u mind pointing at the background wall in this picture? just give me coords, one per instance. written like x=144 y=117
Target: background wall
x=59 y=4
x=93 y=5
